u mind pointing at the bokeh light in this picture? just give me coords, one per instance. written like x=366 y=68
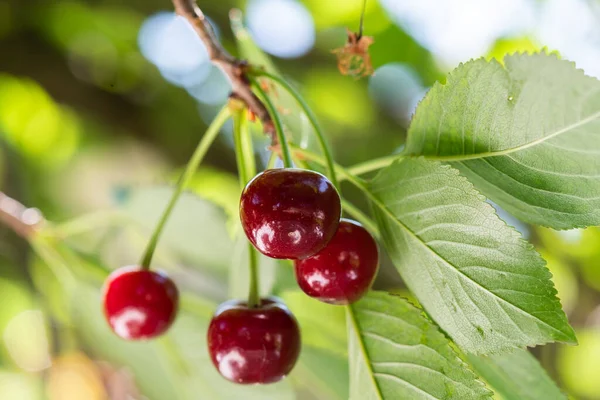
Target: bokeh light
x=572 y=27
x=169 y=42
x=397 y=88
x=459 y=30
x=26 y=340
x=214 y=90
x=283 y=28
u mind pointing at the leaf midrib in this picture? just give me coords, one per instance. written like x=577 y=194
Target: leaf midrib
x=363 y=351
x=474 y=156
x=391 y=215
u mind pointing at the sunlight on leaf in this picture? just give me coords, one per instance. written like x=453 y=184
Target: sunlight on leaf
x=46 y=133
x=527 y=134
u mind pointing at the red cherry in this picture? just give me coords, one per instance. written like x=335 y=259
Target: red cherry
x=290 y=213
x=253 y=345
x=139 y=304
x=344 y=270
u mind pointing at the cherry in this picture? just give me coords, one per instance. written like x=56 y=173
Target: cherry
x=344 y=270
x=253 y=345
x=139 y=304
x=290 y=213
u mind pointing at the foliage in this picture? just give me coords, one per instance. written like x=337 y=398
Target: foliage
x=520 y=131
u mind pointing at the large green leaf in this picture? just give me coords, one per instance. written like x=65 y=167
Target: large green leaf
x=516 y=376
x=478 y=279
x=527 y=134
x=396 y=353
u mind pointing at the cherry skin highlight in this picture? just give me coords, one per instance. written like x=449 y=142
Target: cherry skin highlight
x=139 y=304
x=290 y=213
x=344 y=270
x=253 y=345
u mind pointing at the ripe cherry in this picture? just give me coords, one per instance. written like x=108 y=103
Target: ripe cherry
x=290 y=213
x=253 y=345
x=344 y=270
x=139 y=304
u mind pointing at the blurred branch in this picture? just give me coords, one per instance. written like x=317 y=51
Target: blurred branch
x=234 y=68
x=16 y=216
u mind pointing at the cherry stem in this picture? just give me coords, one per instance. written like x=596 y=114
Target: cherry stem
x=362 y=20
x=313 y=121
x=344 y=174
x=287 y=157
x=373 y=165
x=244 y=153
x=192 y=165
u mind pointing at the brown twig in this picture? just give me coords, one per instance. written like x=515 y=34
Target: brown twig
x=232 y=67
x=22 y=220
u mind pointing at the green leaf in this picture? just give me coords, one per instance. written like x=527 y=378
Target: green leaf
x=516 y=376
x=485 y=286
x=527 y=134
x=396 y=353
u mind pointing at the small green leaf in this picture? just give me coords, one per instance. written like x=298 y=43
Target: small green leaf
x=516 y=376
x=396 y=353
x=527 y=134
x=485 y=286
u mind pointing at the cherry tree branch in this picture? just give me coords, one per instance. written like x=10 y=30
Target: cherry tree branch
x=22 y=220
x=232 y=67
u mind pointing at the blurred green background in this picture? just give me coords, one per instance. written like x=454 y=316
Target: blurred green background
x=101 y=103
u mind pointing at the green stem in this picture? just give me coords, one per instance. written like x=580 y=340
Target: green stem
x=254 y=292
x=344 y=174
x=287 y=157
x=244 y=152
x=311 y=117
x=239 y=151
x=210 y=135
x=248 y=146
x=271 y=161
x=341 y=171
x=361 y=217
x=362 y=20
x=373 y=165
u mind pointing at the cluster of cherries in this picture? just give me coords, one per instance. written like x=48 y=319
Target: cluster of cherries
x=286 y=214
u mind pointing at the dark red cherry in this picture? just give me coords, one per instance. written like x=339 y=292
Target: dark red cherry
x=253 y=345
x=344 y=270
x=139 y=304
x=290 y=213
